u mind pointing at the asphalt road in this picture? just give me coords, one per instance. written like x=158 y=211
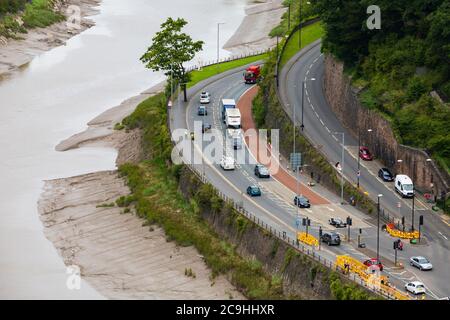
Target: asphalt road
x=275 y=210
x=320 y=127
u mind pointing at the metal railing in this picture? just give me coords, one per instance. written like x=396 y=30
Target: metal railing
x=228 y=59
x=282 y=236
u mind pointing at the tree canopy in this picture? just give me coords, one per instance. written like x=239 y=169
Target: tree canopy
x=170 y=49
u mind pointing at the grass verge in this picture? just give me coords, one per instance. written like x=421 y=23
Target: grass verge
x=38 y=13
x=310 y=34
x=154 y=185
x=209 y=71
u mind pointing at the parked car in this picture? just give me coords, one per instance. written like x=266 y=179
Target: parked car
x=374 y=262
x=415 y=287
x=254 y=191
x=385 y=175
x=202 y=111
x=261 y=171
x=365 y=154
x=302 y=202
x=227 y=163
x=338 y=223
x=205 y=97
x=331 y=238
x=421 y=263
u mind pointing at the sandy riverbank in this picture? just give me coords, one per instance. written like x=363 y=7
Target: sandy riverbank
x=15 y=54
x=253 y=33
x=117 y=255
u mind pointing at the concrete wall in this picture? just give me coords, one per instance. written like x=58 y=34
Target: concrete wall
x=343 y=100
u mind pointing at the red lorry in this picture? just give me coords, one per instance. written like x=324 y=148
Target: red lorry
x=252 y=74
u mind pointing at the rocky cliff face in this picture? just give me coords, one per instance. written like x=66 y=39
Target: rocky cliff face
x=343 y=100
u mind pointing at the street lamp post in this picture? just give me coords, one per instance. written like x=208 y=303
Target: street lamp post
x=289 y=17
x=358 y=174
x=300 y=24
x=342 y=165
x=414 y=187
x=303 y=99
x=218 y=43
x=378 y=228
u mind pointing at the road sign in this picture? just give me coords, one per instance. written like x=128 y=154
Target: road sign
x=295 y=160
x=359 y=173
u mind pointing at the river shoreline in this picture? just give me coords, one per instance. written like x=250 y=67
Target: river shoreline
x=63 y=203
x=17 y=54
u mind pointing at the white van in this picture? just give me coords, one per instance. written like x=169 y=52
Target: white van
x=404 y=186
x=233 y=118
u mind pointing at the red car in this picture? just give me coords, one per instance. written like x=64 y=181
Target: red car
x=365 y=154
x=374 y=262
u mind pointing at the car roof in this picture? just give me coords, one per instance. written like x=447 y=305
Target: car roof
x=419 y=257
x=417 y=283
x=404 y=178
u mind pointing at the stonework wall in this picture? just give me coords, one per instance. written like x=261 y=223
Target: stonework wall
x=343 y=100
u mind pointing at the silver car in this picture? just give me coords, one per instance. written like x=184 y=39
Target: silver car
x=421 y=263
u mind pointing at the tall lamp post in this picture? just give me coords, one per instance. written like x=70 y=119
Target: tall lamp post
x=218 y=42
x=358 y=174
x=300 y=24
x=378 y=227
x=342 y=165
x=303 y=99
x=414 y=186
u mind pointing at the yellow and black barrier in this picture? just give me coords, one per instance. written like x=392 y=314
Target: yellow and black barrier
x=307 y=238
x=390 y=228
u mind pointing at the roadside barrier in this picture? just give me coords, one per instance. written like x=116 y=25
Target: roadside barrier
x=373 y=280
x=390 y=228
x=308 y=239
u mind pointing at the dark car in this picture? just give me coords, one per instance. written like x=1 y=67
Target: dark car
x=301 y=202
x=254 y=191
x=205 y=127
x=261 y=171
x=201 y=111
x=374 y=262
x=365 y=154
x=331 y=238
x=237 y=143
x=337 y=223
x=385 y=175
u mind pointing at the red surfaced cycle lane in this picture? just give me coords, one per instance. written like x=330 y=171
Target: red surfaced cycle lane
x=279 y=173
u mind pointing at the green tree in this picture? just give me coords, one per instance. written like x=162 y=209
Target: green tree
x=170 y=49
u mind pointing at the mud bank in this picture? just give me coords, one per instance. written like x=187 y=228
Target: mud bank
x=16 y=54
x=253 y=33
x=117 y=253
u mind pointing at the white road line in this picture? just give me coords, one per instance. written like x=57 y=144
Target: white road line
x=443 y=235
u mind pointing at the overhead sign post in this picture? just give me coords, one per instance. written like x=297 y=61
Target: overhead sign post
x=295 y=161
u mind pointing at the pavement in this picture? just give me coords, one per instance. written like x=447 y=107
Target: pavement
x=275 y=206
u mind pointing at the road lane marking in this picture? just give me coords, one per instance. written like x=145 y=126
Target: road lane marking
x=443 y=235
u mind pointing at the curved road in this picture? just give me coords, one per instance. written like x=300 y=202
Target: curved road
x=275 y=206
x=321 y=124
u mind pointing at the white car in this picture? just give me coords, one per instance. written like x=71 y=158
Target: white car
x=421 y=263
x=227 y=163
x=205 y=98
x=415 y=287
